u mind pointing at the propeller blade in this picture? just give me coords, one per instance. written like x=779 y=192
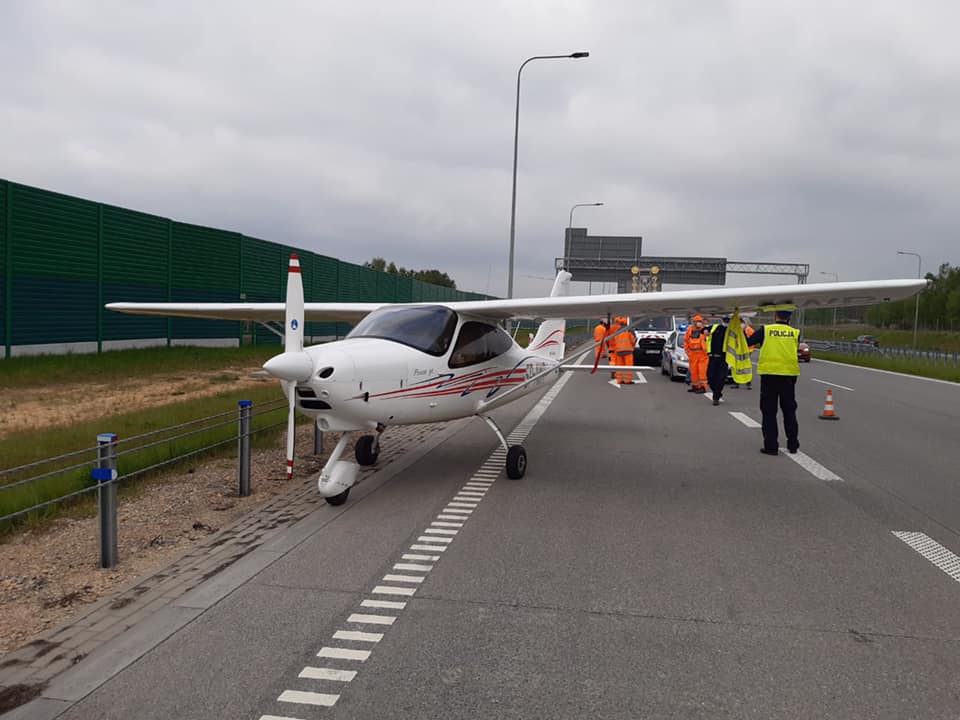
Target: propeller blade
x=293 y=334
x=291 y=429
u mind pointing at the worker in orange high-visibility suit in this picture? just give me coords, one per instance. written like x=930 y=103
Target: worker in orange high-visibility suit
x=599 y=335
x=615 y=328
x=624 y=343
x=694 y=342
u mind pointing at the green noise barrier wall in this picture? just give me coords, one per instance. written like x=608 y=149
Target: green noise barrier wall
x=62 y=258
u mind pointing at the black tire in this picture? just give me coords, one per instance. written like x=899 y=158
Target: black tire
x=364 y=451
x=516 y=462
x=340 y=498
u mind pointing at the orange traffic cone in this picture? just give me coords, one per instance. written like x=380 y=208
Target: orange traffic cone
x=828 y=412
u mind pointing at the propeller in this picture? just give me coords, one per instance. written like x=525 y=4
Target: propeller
x=293 y=365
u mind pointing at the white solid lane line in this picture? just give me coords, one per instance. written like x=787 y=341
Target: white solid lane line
x=357 y=636
x=746 y=419
x=343 y=654
x=812 y=466
x=308 y=698
x=315 y=673
x=371 y=619
x=832 y=384
x=387 y=604
x=277 y=717
x=932 y=551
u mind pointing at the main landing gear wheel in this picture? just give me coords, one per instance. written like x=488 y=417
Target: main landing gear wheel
x=339 y=499
x=516 y=462
x=367 y=451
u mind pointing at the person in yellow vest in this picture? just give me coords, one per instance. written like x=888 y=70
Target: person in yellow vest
x=624 y=343
x=612 y=343
x=599 y=334
x=778 y=369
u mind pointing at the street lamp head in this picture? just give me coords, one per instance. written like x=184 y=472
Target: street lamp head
x=579 y=54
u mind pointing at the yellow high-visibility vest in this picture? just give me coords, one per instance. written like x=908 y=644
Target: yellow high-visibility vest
x=778 y=353
x=738 y=352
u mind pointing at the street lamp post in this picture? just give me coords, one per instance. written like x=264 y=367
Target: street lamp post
x=516 y=135
x=916 y=312
x=570 y=221
x=836 y=278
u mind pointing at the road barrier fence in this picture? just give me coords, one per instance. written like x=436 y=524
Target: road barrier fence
x=864 y=349
x=39 y=483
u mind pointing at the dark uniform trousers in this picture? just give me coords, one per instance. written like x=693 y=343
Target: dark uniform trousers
x=717 y=374
x=779 y=390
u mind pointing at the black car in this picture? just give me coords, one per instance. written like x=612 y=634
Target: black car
x=868 y=340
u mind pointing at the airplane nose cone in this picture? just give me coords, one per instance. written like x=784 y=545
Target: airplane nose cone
x=290 y=366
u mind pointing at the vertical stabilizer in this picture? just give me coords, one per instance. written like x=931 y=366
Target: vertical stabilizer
x=549 y=338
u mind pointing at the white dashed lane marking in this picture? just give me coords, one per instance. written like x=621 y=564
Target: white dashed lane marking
x=431 y=548
x=404 y=578
x=372 y=619
x=357 y=636
x=389 y=590
x=315 y=673
x=813 y=467
x=385 y=604
x=932 y=551
x=308 y=698
x=832 y=384
x=746 y=419
x=343 y=654
x=414 y=567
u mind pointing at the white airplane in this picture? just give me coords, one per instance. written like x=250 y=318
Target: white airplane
x=416 y=363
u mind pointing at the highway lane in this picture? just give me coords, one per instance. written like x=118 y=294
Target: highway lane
x=652 y=564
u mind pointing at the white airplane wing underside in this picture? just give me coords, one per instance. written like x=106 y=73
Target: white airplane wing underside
x=682 y=302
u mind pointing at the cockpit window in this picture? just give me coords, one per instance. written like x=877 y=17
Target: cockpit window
x=477 y=343
x=429 y=329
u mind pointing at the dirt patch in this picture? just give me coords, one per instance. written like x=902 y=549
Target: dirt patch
x=45 y=407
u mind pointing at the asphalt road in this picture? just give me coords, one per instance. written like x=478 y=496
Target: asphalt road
x=651 y=564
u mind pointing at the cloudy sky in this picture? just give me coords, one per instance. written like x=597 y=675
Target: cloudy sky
x=793 y=131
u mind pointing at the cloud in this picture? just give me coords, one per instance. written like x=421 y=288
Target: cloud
x=807 y=132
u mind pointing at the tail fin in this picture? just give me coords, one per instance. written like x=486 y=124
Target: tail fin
x=549 y=338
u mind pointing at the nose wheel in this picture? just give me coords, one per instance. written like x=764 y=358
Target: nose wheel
x=367 y=450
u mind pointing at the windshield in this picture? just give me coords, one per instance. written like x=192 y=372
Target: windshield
x=429 y=329
x=655 y=323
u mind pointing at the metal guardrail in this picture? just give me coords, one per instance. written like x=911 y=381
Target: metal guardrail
x=104 y=458
x=931 y=357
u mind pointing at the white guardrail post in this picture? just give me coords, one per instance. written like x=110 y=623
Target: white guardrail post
x=243 y=445
x=106 y=475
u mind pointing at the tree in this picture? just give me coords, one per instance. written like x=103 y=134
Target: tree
x=432 y=275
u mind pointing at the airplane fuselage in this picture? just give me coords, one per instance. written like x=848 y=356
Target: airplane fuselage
x=360 y=383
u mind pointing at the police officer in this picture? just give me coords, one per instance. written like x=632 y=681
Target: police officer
x=717 y=362
x=778 y=369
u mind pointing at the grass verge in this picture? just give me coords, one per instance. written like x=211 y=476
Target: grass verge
x=29 y=446
x=910 y=367
x=43 y=370
x=926 y=339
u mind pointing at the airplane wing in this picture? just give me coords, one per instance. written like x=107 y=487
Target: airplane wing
x=320 y=312
x=704 y=302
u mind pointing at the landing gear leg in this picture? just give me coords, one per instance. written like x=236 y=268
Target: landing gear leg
x=516 y=455
x=337 y=476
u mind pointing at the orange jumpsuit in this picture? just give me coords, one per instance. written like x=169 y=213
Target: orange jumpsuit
x=697 y=356
x=612 y=345
x=599 y=332
x=624 y=342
